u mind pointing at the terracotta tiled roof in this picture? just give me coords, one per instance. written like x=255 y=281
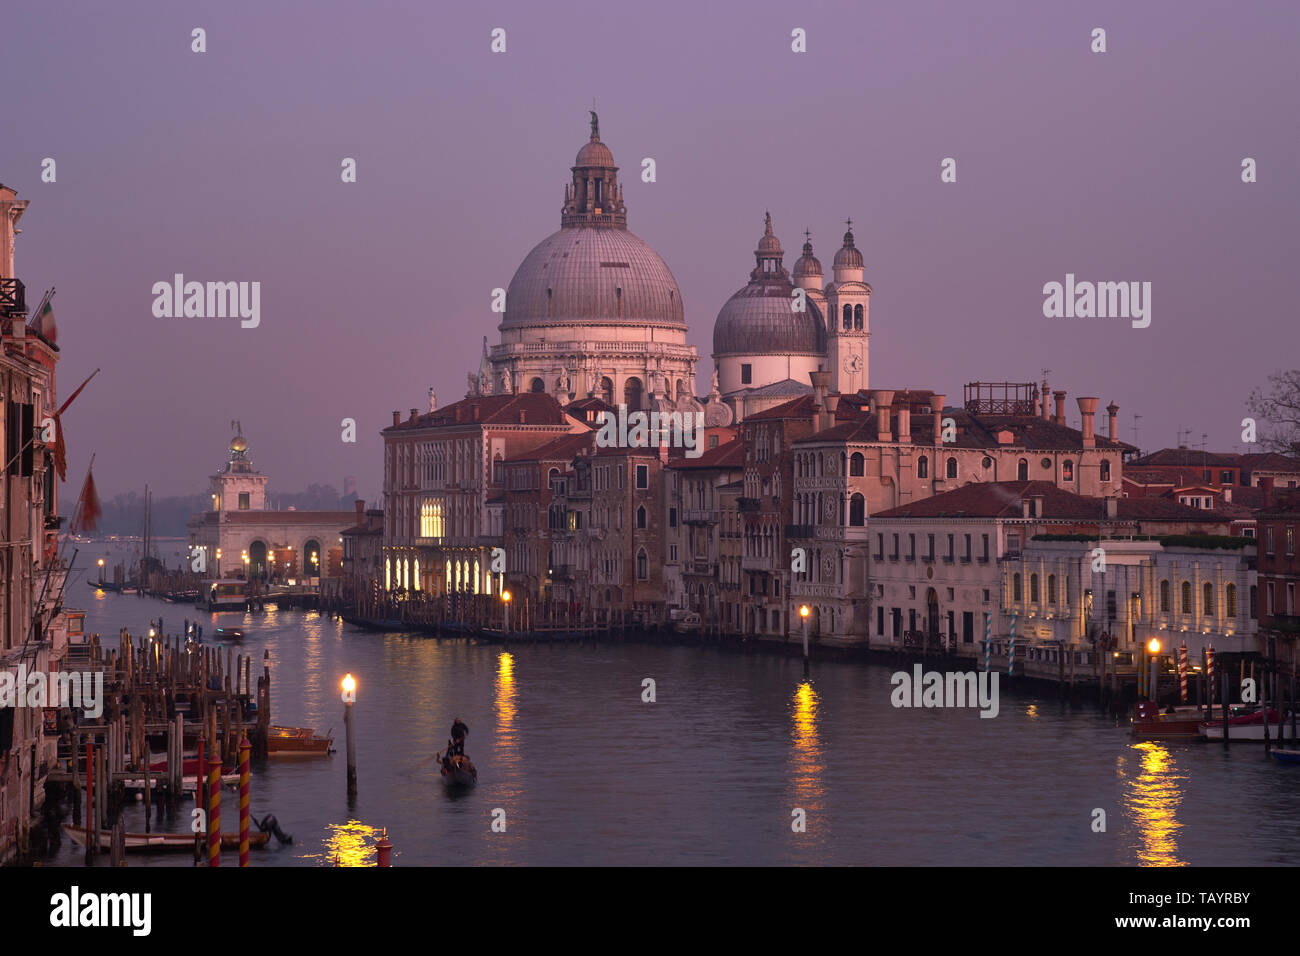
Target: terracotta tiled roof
x=564 y=448
x=729 y=455
x=537 y=408
x=1268 y=461
x=1028 y=432
x=1002 y=499
x=1187 y=458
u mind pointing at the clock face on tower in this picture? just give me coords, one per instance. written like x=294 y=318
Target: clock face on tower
x=853 y=363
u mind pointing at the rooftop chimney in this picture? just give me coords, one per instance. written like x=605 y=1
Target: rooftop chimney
x=1046 y=401
x=936 y=406
x=820 y=383
x=1112 y=508
x=884 y=400
x=361 y=507
x=1059 y=417
x=832 y=403
x=1038 y=505
x=1088 y=410
x=415 y=413
x=1024 y=507
x=905 y=423
x=397 y=417
x=1112 y=429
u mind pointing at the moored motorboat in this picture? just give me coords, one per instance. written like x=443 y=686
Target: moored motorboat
x=1285 y=755
x=297 y=742
x=1245 y=727
x=1183 y=724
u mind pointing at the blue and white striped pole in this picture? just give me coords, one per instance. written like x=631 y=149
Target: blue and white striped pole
x=988 y=642
x=1011 y=651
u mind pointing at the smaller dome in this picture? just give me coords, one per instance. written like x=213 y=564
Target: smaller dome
x=807 y=264
x=594 y=153
x=848 y=257
x=238 y=445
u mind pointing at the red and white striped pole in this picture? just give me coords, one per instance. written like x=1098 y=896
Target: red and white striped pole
x=244 y=788
x=1182 y=672
x=214 y=810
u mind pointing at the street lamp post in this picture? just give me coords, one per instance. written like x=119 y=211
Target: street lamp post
x=803 y=613
x=101 y=570
x=1154 y=648
x=349 y=698
x=505 y=599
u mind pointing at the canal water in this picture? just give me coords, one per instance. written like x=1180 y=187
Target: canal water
x=714 y=771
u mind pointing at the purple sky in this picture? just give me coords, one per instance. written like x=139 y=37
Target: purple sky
x=225 y=166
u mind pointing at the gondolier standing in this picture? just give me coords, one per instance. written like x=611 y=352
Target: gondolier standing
x=459 y=731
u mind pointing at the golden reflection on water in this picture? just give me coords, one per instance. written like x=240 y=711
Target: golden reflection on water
x=806 y=767
x=350 y=844
x=506 y=758
x=1032 y=712
x=1152 y=798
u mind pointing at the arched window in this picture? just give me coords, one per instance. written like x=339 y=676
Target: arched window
x=1017 y=591
x=923 y=467
x=1105 y=469
x=857 y=511
x=642 y=566
x=1022 y=470
x=1164 y=597
x=1033 y=588
x=1187 y=597
x=632 y=390
x=640 y=518
x=848 y=317
x=1207 y=599
x=856 y=463
x=857 y=318
x=607 y=390
x=1067 y=470
x=1051 y=589
x=537 y=385
x=952 y=468
x=1230 y=600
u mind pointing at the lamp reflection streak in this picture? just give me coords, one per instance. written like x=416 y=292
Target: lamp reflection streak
x=1153 y=797
x=806 y=758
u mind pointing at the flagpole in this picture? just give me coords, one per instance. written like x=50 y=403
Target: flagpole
x=44 y=299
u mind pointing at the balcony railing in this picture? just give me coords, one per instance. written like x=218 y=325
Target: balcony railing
x=700 y=516
x=700 y=566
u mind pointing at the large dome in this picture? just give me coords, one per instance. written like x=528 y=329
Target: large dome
x=593 y=275
x=760 y=320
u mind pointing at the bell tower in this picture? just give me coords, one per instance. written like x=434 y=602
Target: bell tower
x=848 y=327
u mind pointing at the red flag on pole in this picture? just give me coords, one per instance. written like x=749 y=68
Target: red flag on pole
x=88 y=510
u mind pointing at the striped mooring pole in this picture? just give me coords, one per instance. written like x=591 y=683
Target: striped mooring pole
x=214 y=808
x=1182 y=672
x=1011 y=651
x=1209 y=670
x=244 y=748
x=988 y=642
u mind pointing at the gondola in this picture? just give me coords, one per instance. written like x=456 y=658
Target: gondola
x=458 y=771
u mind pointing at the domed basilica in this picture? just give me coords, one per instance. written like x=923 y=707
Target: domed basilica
x=593 y=311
